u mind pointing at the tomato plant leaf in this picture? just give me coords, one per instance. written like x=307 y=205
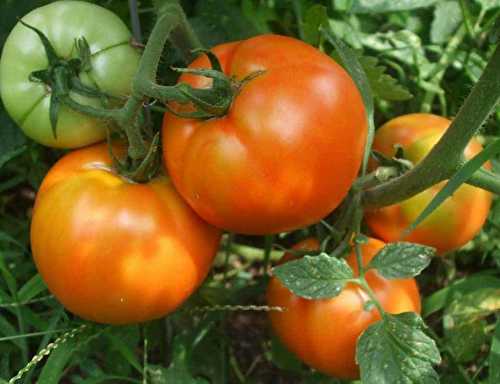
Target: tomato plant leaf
x=314 y=18
x=404 y=46
x=445 y=296
x=315 y=277
x=494 y=357
x=462 y=175
x=464 y=322
x=383 y=85
x=447 y=17
x=486 y=5
x=465 y=341
x=397 y=350
x=473 y=306
x=382 y=6
x=402 y=260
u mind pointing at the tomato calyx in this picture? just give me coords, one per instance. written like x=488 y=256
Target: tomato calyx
x=62 y=75
x=208 y=102
x=140 y=170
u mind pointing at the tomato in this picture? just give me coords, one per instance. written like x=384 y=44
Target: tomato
x=458 y=219
x=113 y=64
x=289 y=148
x=114 y=251
x=323 y=333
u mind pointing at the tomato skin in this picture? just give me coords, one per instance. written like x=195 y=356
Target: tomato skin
x=323 y=333
x=113 y=251
x=457 y=220
x=288 y=150
x=114 y=63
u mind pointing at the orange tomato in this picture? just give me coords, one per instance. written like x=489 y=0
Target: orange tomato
x=289 y=148
x=114 y=251
x=323 y=333
x=458 y=219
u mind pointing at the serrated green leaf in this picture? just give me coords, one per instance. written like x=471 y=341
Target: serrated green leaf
x=346 y=32
x=383 y=85
x=402 y=260
x=314 y=18
x=382 y=6
x=494 y=357
x=447 y=18
x=396 y=350
x=462 y=175
x=403 y=45
x=315 y=277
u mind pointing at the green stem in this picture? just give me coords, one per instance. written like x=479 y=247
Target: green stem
x=100 y=113
x=268 y=246
x=184 y=39
x=446 y=156
x=486 y=180
x=148 y=66
x=364 y=284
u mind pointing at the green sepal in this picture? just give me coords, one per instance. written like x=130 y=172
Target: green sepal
x=49 y=49
x=41 y=76
x=84 y=54
x=54 y=113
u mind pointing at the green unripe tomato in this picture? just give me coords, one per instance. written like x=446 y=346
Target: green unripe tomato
x=113 y=63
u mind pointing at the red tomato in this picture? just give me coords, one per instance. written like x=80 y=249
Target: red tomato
x=114 y=251
x=289 y=148
x=323 y=333
x=458 y=219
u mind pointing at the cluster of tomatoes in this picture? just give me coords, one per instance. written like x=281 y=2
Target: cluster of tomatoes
x=286 y=154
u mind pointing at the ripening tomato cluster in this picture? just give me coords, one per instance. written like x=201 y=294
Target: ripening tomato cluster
x=285 y=155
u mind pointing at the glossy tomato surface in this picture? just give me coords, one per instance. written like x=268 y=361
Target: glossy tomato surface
x=114 y=251
x=323 y=333
x=288 y=150
x=458 y=219
x=113 y=64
